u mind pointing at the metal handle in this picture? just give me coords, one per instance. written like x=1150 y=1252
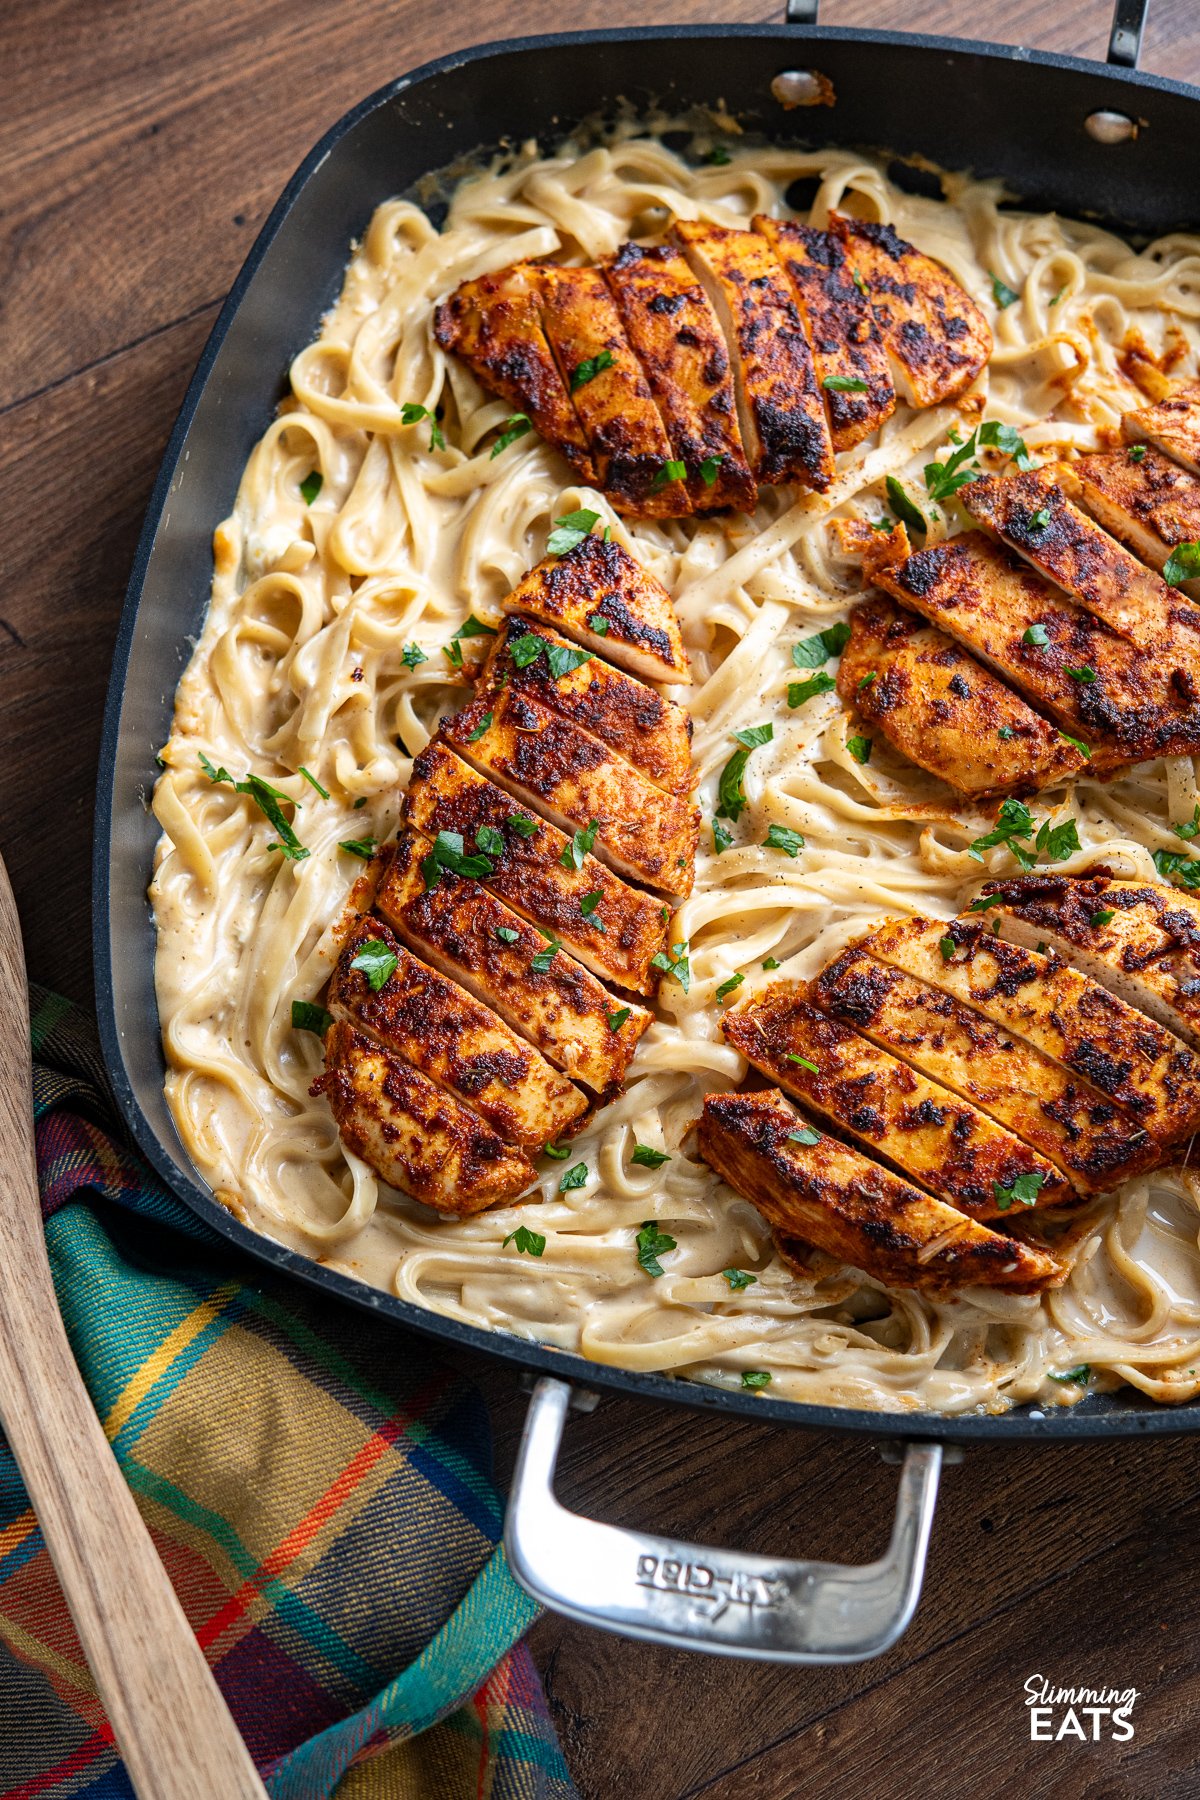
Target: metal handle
x=697 y=1597
x=1124 y=41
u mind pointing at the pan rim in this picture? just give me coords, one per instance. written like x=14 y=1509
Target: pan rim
x=1080 y=1422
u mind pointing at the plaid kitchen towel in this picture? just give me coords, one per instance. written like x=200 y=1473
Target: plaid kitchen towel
x=318 y=1486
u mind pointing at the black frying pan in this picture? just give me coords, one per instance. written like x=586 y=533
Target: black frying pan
x=1064 y=134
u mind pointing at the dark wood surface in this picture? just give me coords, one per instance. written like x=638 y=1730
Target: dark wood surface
x=141 y=145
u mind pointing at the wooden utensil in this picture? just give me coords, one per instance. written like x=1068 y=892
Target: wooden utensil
x=173 y=1728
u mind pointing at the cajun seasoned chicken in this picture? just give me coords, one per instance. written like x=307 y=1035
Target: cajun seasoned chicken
x=1058 y=1010
x=937 y=1140
x=831 y=1196
x=1171 y=424
x=1095 y=1142
x=780 y=404
x=1118 y=700
x=680 y=375
x=600 y=596
x=1034 y=516
x=413 y=1133
x=944 y=710
x=1135 y=937
x=1143 y=498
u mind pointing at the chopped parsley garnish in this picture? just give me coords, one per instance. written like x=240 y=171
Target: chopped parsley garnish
x=780 y=837
x=1182 y=565
x=541 y=962
x=1189 y=828
x=859 y=283
x=1037 y=635
x=515 y=426
x=563 y=659
x=570 y=530
x=580 y=846
x=506 y=934
x=529 y=1243
x=448 y=854
x=1015 y=822
x=588 y=905
x=364 y=847
x=1023 y=1191
x=859 y=748
x=864 y=681
x=677 y=964
x=646 y=1157
x=1078 y=744
x=947 y=946
x=651 y=1244
x=710 y=468
x=805 y=1134
x=484 y=725
x=944 y=479
x=307 y=1016
x=731 y=796
x=986 y=900
x=790 y=1056
x=559 y=1152
x=360 y=802
x=618 y=1018
x=590 y=367
x=523 y=825
x=672 y=470
x=574 y=1177
x=729 y=985
x=721 y=838
x=904 y=508
x=1039 y=520
x=1004 y=733
x=800 y=691
x=413 y=654
x=739 y=1279
x=311 y=486
x=1173 y=865
x=1085 y=674
x=526 y=649
x=718 y=156
x=771 y=962
x=1080 y=1376
x=598 y=623
x=377 y=962
x=267 y=799
x=313 y=782
x=490 y=841
x=1057 y=842
x=811 y=652
x=844 y=384
x=1137 y=452
x=756 y=1378
x=1003 y=294
x=470 y=628
x=1104 y=917
x=412 y=414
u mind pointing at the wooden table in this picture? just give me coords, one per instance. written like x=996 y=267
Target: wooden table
x=141 y=145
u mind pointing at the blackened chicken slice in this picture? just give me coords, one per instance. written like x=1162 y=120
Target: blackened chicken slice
x=1143 y=498
x=1171 y=424
x=602 y=597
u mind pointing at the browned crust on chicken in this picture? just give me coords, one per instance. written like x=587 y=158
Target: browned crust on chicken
x=1033 y=514
x=1146 y=500
x=630 y=717
x=1172 y=425
x=460 y=1044
x=780 y=406
x=846 y=340
x=986 y=598
x=622 y=424
x=673 y=329
x=1061 y=1012
x=936 y=338
x=1094 y=1141
x=560 y=1007
x=495 y=324
x=598 y=581
x=851 y=1208
x=1141 y=939
x=445 y=794
x=416 y=1137
x=943 y=710
x=935 y=1139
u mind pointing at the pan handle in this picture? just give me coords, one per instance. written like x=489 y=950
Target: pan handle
x=1124 y=40
x=698 y=1597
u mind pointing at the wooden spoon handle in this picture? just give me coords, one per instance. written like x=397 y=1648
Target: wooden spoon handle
x=173 y=1728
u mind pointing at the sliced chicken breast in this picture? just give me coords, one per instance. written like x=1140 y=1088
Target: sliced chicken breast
x=944 y=710
x=851 y=1208
x=1059 y=1011
x=1143 y=498
x=1033 y=514
x=848 y=350
x=600 y=596
x=940 y=1142
x=633 y=719
x=470 y=935
x=673 y=329
x=780 y=405
x=546 y=762
x=1139 y=939
x=495 y=325
x=1095 y=1142
x=416 y=1137
x=935 y=336
x=1095 y=685
x=446 y=1034
x=621 y=423
x=1171 y=425
x=612 y=929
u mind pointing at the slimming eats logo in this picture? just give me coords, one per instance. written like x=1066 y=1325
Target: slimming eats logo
x=1088 y=1714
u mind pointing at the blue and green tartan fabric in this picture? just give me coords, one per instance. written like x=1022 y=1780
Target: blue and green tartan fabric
x=318 y=1486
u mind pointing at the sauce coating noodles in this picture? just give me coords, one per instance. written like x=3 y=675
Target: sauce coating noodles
x=306 y=662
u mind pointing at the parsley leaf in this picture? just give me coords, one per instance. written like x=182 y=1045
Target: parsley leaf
x=1189 y=828
x=805 y=1134
x=1037 y=635
x=651 y=1244
x=947 y=946
x=364 y=847
x=779 y=837
x=772 y=962
x=267 y=799
x=307 y=1016
x=1085 y=674
x=811 y=652
x=215 y=775
x=905 y=509
x=314 y=783
x=718 y=156
x=524 y=826
x=1078 y=744
x=731 y=796
x=579 y=846
x=447 y=854
x=570 y=530
x=529 y=1243
x=844 y=384
x=1039 y=520
x=376 y=962
x=562 y=659
x=739 y=1279
x=859 y=748
x=541 y=962
x=574 y=1177
x=588 y=905
x=756 y=1378
x=515 y=426
x=1004 y=733
x=1081 y=1376
x=790 y=1056
x=506 y=934
x=800 y=691
x=1183 y=564
x=484 y=726
x=1137 y=452
x=1008 y=440
x=710 y=468
x=679 y=965
x=672 y=470
x=412 y=414
x=1057 y=842
x=721 y=838
x=729 y=985
x=1104 y=917
x=598 y=623
x=559 y=1152
x=1003 y=294
x=590 y=367
x=1173 y=865
x=646 y=1157
x=311 y=486
x=1014 y=821
x=1024 y=1191
x=527 y=649
x=618 y=1018
x=413 y=654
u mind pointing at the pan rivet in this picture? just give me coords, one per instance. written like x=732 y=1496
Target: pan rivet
x=802 y=87
x=1110 y=127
